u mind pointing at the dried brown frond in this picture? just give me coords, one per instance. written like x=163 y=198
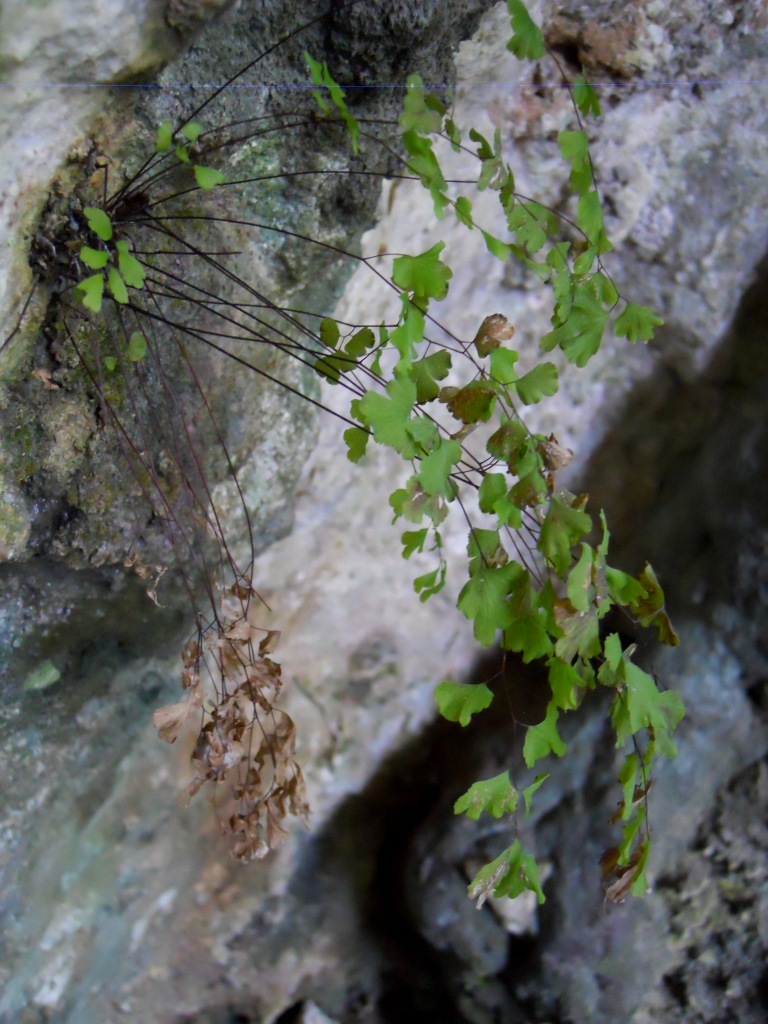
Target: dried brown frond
x=245 y=743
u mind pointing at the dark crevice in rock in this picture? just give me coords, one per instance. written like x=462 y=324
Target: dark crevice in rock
x=682 y=475
x=378 y=851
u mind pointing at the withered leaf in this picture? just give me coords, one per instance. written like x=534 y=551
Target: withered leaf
x=169 y=720
x=241 y=631
x=492 y=332
x=555 y=456
x=44 y=376
x=470 y=404
x=270 y=642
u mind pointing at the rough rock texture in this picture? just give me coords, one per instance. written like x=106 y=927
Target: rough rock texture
x=119 y=906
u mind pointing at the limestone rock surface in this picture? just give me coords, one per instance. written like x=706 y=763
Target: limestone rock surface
x=119 y=905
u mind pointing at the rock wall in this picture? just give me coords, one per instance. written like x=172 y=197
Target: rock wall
x=118 y=905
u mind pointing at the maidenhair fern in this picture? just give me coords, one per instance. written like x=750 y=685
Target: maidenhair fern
x=536 y=583
x=539 y=581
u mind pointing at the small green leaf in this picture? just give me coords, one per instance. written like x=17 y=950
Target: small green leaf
x=356 y=441
x=589 y=217
x=421 y=114
x=453 y=134
x=501 y=250
x=332 y=366
x=584 y=262
x=117 y=286
x=423 y=162
x=623 y=588
x=565 y=683
x=413 y=540
x=580 y=579
x=640 y=885
x=132 y=271
x=497 y=796
x=526 y=42
x=360 y=342
x=612 y=650
x=529 y=791
x=459 y=701
x=411 y=503
x=483 y=599
x=387 y=415
x=493 y=173
x=627 y=776
x=321 y=76
x=429 y=370
x=207 y=177
x=424 y=276
x=329 y=332
x=316 y=71
x=424 y=432
x=430 y=583
x=540 y=381
x=98 y=222
x=463 y=210
x=510 y=874
x=181 y=154
x=493 y=487
x=637 y=323
x=581 y=334
x=629 y=834
x=435 y=471
x=530 y=490
x=580 y=635
x=164 y=139
x=191 y=130
x=585 y=97
x=137 y=347
x=528 y=636
x=96 y=259
x=40 y=678
x=409 y=332
x=503 y=365
x=93 y=290
x=641 y=705
x=575 y=148
x=110 y=363
x=563 y=526
x=606 y=289
x=650 y=609
x=529 y=223
x=485 y=550
x=543 y=739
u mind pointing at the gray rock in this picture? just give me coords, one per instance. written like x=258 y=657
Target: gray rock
x=118 y=905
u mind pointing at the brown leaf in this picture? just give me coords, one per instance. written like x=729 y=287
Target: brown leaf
x=471 y=403
x=147 y=572
x=44 y=376
x=240 y=631
x=190 y=677
x=169 y=720
x=270 y=642
x=493 y=330
x=276 y=834
x=554 y=454
x=608 y=861
x=190 y=653
x=617 y=891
